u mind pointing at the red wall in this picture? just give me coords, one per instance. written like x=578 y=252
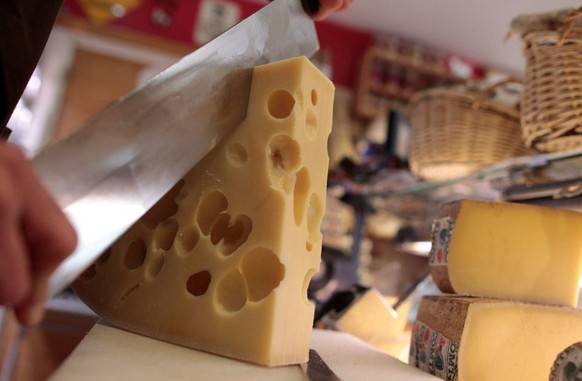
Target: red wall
x=346 y=45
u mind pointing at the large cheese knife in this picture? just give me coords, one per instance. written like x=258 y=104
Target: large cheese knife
x=126 y=157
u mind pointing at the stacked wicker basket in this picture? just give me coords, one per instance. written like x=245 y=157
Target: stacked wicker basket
x=552 y=99
x=456 y=131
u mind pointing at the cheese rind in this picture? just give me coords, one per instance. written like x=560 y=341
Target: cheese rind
x=476 y=339
x=223 y=262
x=508 y=250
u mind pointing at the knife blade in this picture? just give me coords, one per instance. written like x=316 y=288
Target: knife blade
x=123 y=160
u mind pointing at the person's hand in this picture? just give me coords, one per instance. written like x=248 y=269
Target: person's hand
x=326 y=7
x=35 y=236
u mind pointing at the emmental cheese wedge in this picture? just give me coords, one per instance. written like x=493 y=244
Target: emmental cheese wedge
x=476 y=339
x=508 y=250
x=222 y=263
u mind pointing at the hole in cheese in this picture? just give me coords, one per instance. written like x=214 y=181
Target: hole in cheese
x=166 y=234
x=209 y=210
x=231 y=293
x=237 y=234
x=280 y=104
x=219 y=227
x=263 y=273
x=135 y=255
x=163 y=209
x=314 y=97
x=311 y=123
x=284 y=159
x=237 y=154
x=188 y=239
x=314 y=217
x=232 y=235
x=198 y=283
x=155 y=266
x=306 y=281
x=302 y=186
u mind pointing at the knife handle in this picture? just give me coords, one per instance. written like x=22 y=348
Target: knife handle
x=4 y=133
x=311 y=7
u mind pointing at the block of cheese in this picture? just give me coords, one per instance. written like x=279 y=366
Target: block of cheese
x=222 y=263
x=370 y=318
x=507 y=250
x=568 y=364
x=478 y=339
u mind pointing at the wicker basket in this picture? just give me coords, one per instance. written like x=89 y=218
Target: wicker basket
x=456 y=132
x=552 y=99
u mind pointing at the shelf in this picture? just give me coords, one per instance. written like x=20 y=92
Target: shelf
x=500 y=170
x=416 y=203
x=389 y=80
x=411 y=62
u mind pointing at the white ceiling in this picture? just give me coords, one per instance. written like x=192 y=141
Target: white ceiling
x=474 y=29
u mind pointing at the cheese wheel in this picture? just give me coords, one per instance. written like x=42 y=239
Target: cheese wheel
x=508 y=250
x=477 y=339
x=222 y=263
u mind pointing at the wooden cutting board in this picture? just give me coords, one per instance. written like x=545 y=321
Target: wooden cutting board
x=108 y=353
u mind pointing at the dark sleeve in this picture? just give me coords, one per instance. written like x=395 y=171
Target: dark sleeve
x=24 y=29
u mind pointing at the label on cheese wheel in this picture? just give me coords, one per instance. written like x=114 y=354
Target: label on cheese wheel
x=432 y=352
x=442 y=229
x=568 y=364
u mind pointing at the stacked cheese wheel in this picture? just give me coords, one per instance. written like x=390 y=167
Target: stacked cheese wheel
x=510 y=273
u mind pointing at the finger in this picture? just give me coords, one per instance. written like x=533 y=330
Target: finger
x=49 y=236
x=15 y=277
x=50 y=239
x=345 y=4
x=31 y=310
x=327 y=7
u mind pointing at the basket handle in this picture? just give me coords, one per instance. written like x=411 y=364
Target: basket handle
x=569 y=23
x=486 y=93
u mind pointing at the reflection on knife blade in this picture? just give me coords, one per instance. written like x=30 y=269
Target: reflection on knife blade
x=317 y=370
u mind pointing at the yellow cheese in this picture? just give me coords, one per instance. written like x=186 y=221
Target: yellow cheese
x=508 y=250
x=223 y=262
x=370 y=318
x=476 y=339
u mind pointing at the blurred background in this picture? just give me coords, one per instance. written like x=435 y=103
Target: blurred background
x=387 y=175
